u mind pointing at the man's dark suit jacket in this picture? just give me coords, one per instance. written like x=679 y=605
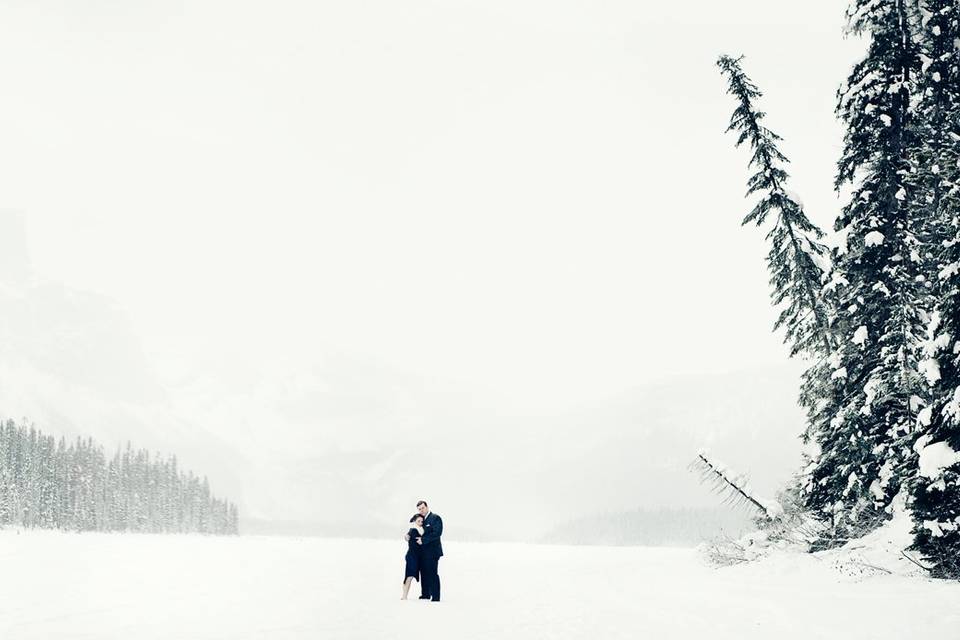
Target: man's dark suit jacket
x=432 y=530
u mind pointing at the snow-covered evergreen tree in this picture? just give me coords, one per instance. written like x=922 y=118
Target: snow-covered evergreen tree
x=937 y=150
x=866 y=446
x=936 y=488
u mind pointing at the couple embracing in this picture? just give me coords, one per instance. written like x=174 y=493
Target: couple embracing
x=423 y=553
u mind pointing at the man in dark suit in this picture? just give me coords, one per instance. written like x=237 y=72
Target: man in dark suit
x=432 y=552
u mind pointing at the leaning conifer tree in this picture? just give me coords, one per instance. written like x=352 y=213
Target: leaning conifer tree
x=797 y=259
x=798 y=262
x=936 y=488
x=865 y=447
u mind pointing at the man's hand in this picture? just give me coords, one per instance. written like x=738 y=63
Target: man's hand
x=419 y=540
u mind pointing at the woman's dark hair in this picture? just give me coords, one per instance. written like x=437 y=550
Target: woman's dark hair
x=415 y=516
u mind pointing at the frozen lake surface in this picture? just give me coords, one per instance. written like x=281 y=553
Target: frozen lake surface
x=141 y=587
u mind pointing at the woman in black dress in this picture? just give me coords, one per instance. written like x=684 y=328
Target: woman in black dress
x=414 y=554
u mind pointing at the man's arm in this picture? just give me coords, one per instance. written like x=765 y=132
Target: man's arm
x=434 y=532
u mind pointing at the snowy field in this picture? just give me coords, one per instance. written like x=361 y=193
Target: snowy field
x=140 y=587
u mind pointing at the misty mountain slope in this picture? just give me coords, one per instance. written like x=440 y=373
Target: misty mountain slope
x=71 y=363
x=516 y=476
x=357 y=443
x=635 y=449
x=342 y=439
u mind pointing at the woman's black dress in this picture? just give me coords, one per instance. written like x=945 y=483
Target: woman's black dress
x=414 y=555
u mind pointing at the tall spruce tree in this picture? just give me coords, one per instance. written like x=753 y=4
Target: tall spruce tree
x=865 y=448
x=936 y=489
x=937 y=149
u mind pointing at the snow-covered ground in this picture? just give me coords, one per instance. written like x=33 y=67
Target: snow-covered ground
x=140 y=587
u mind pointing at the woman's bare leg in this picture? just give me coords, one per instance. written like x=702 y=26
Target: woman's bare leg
x=406 y=587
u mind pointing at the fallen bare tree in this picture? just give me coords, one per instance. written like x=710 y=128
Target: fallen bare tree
x=780 y=522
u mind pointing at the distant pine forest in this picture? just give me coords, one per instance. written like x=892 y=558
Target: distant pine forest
x=50 y=484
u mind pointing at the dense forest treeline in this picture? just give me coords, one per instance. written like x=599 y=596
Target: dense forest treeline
x=48 y=483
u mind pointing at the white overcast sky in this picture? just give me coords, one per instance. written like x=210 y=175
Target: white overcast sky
x=534 y=201
x=532 y=196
